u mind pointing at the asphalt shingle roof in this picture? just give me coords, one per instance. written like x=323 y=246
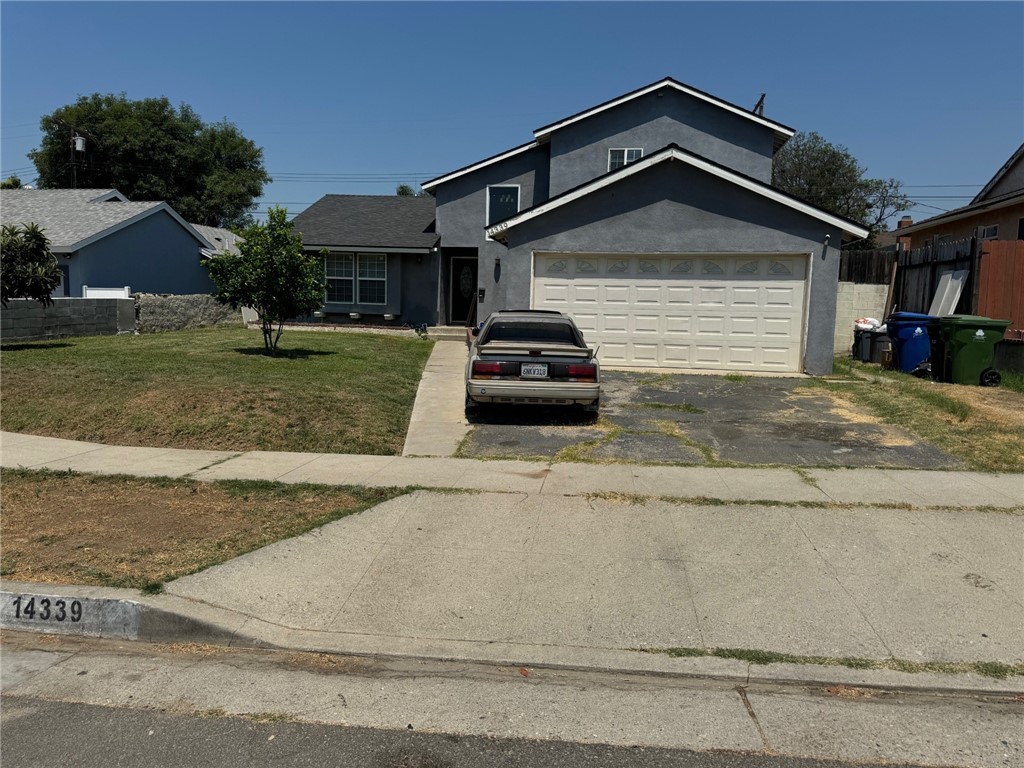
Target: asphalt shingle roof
x=368 y=221
x=68 y=216
x=224 y=239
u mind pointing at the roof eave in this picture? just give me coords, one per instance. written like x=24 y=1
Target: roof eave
x=431 y=186
x=962 y=213
x=849 y=229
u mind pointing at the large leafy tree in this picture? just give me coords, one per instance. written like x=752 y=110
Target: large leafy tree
x=272 y=274
x=28 y=270
x=828 y=176
x=150 y=150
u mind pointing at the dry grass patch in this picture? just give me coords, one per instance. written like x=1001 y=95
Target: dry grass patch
x=65 y=528
x=983 y=426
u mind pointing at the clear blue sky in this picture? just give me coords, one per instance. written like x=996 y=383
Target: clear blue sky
x=931 y=93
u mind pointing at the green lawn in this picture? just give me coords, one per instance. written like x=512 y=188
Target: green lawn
x=215 y=389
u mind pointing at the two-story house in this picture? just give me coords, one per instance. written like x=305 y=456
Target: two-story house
x=650 y=219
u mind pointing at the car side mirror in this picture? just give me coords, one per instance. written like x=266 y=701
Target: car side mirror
x=475 y=332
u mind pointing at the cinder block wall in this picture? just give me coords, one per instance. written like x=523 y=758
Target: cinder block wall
x=856 y=300
x=27 y=320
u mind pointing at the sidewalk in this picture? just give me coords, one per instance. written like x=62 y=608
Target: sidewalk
x=536 y=571
x=918 y=488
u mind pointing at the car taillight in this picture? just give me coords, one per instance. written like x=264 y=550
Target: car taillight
x=482 y=368
x=582 y=371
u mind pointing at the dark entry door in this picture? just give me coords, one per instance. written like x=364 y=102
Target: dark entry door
x=462 y=289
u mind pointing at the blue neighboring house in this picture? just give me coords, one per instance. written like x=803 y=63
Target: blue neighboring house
x=106 y=241
x=650 y=218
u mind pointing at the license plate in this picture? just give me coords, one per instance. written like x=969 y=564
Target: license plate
x=534 y=371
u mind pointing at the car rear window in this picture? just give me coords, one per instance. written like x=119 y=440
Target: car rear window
x=558 y=333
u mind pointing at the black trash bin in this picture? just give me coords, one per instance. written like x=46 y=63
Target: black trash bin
x=861 y=346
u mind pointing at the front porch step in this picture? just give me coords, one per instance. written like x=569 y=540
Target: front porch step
x=446 y=332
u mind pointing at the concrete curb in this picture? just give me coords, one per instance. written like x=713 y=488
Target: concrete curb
x=128 y=615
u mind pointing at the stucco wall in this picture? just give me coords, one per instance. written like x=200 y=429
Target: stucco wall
x=675 y=208
x=579 y=152
x=153 y=255
x=462 y=203
x=855 y=300
x=26 y=320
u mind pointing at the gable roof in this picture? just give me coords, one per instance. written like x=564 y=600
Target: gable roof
x=1014 y=159
x=782 y=132
x=74 y=218
x=674 y=152
x=388 y=222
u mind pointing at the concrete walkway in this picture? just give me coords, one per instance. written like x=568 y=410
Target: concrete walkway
x=438 y=422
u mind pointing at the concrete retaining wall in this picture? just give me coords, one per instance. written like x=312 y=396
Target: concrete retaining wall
x=856 y=300
x=27 y=320
x=159 y=312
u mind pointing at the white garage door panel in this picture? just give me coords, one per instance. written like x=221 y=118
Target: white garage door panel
x=742 y=312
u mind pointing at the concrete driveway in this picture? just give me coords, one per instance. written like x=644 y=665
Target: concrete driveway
x=696 y=419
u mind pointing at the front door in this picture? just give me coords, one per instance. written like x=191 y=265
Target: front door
x=462 y=289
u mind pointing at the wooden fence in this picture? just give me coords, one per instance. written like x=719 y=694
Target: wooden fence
x=918 y=272
x=1001 y=284
x=870 y=267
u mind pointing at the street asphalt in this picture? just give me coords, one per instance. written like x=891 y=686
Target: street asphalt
x=581 y=565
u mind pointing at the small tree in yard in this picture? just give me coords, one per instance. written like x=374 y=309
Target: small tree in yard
x=271 y=274
x=27 y=268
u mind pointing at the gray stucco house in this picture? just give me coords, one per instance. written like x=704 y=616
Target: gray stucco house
x=650 y=219
x=106 y=241
x=383 y=259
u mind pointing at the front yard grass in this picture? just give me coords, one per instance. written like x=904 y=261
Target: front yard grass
x=118 y=531
x=214 y=389
x=984 y=426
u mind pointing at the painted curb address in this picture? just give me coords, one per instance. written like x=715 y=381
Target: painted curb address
x=67 y=615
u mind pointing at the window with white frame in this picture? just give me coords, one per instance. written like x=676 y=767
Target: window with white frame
x=356 y=278
x=373 y=278
x=340 y=282
x=991 y=232
x=620 y=157
x=502 y=202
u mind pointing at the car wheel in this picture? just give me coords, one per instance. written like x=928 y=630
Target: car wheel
x=472 y=408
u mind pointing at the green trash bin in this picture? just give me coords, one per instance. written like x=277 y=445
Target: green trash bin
x=970 y=346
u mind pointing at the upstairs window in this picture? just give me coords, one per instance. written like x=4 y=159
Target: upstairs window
x=502 y=202
x=620 y=157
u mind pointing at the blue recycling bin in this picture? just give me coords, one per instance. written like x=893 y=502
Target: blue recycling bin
x=910 y=343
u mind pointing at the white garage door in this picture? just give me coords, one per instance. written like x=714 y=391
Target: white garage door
x=742 y=312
